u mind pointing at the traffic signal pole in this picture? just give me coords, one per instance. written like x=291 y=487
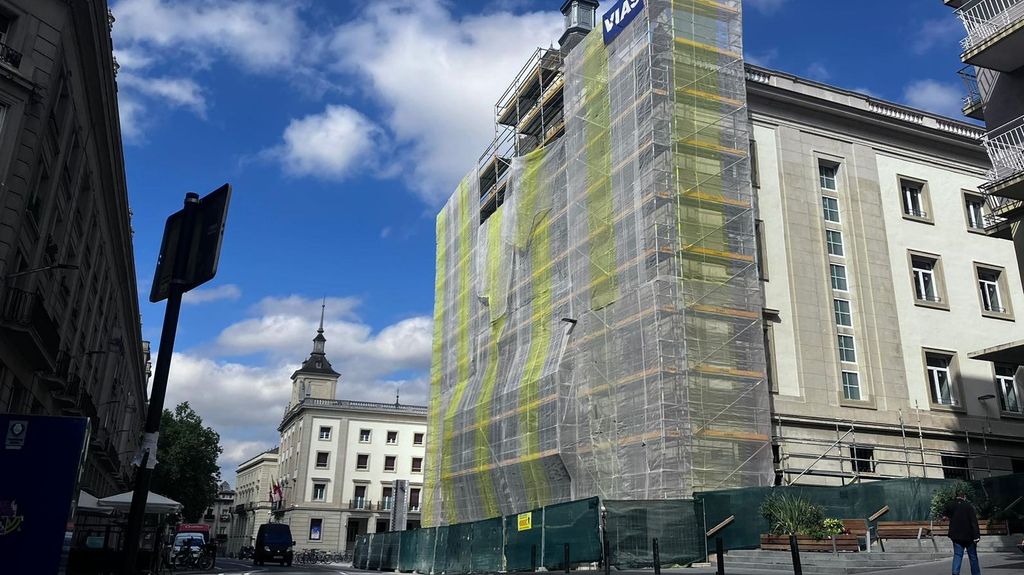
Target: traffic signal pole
x=151 y=433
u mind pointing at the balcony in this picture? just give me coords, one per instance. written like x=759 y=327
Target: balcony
x=23 y=316
x=385 y=505
x=995 y=39
x=414 y=507
x=57 y=377
x=363 y=504
x=10 y=56
x=1005 y=147
x=240 y=508
x=225 y=518
x=973 y=105
x=209 y=518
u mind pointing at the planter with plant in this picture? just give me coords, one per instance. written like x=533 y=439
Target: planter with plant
x=789 y=515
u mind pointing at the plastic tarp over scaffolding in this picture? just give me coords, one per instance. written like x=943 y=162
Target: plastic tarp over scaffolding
x=599 y=334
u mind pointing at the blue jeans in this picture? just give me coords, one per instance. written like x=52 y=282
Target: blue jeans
x=972 y=554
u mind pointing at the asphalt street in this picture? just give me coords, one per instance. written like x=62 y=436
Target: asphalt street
x=236 y=567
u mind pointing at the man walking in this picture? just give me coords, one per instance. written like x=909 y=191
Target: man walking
x=964 y=531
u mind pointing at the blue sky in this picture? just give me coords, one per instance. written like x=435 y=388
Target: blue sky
x=343 y=125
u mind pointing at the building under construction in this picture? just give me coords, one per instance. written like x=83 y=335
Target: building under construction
x=597 y=308
x=604 y=320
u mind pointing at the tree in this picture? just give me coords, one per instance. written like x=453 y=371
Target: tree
x=187 y=469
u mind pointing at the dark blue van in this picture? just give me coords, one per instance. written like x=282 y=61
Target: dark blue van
x=273 y=543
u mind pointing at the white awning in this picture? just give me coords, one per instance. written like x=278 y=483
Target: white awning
x=155 y=503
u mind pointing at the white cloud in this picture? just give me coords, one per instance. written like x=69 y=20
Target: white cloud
x=439 y=77
x=936 y=97
x=131 y=112
x=132 y=59
x=229 y=292
x=818 y=71
x=330 y=145
x=929 y=34
x=765 y=6
x=177 y=92
x=764 y=59
x=258 y=35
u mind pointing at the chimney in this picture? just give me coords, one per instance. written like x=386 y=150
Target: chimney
x=580 y=18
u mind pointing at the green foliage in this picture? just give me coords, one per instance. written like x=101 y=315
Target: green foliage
x=832 y=526
x=187 y=469
x=946 y=494
x=788 y=515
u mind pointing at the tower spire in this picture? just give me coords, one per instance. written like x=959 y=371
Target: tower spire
x=323 y=308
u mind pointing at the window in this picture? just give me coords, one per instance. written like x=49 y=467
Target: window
x=863 y=459
x=319 y=492
x=762 y=261
x=392 y=438
x=926 y=278
x=1017 y=465
x=325 y=433
x=974 y=206
x=382 y=525
x=839 y=282
x=315 y=527
x=417 y=439
x=1009 y=395
x=827 y=176
x=991 y=288
x=844 y=317
x=387 y=498
x=834 y=240
x=913 y=199
x=417 y=465
x=414 y=499
x=851 y=386
x=362 y=462
x=360 y=493
x=389 y=462
x=5 y=26
x=954 y=467
x=364 y=436
x=940 y=381
x=322 y=459
x=830 y=206
x=846 y=350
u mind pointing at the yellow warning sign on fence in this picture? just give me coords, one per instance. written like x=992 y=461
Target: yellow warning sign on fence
x=525 y=521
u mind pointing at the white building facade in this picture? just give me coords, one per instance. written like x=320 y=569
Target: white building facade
x=252 y=499
x=340 y=460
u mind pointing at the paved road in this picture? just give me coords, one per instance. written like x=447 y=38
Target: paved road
x=236 y=567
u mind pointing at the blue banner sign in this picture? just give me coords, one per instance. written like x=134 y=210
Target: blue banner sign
x=39 y=467
x=616 y=19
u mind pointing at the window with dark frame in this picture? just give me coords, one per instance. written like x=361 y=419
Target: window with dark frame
x=913 y=199
x=392 y=438
x=362 y=462
x=323 y=459
x=315 y=529
x=389 y=462
x=417 y=439
x=417 y=465
x=364 y=436
x=863 y=459
x=955 y=467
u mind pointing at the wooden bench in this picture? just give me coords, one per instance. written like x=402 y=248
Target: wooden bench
x=904 y=529
x=985 y=527
x=837 y=543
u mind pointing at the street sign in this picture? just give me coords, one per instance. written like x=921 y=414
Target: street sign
x=207 y=237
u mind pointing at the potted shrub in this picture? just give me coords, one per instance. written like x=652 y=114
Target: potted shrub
x=790 y=515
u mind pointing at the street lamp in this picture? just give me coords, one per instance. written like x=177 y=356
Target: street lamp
x=40 y=269
x=983 y=400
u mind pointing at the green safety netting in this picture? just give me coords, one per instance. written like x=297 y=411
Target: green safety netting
x=572 y=524
x=522 y=548
x=632 y=526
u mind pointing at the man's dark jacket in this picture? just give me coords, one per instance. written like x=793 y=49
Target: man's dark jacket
x=963 y=522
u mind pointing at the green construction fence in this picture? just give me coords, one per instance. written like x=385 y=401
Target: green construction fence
x=537 y=538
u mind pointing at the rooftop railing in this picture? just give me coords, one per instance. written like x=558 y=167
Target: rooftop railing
x=10 y=56
x=984 y=19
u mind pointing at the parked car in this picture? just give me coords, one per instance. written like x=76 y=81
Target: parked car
x=273 y=543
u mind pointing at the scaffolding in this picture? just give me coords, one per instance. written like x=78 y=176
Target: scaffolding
x=598 y=310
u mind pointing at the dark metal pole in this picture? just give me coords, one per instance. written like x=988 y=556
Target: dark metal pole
x=794 y=549
x=607 y=557
x=144 y=474
x=533 y=558
x=657 y=556
x=567 y=564
x=720 y=555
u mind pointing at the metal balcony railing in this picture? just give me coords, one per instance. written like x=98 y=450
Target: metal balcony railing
x=360 y=504
x=385 y=505
x=26 y=311
x=10 y=56
x=986 y=18
x=1005 y=146
x=972 y=97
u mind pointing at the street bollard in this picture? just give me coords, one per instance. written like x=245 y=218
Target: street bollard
x=720 y=555
x=533 y=558
x=795 y=550
x=657 y=556
x=607 y=557
x=567 y=564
